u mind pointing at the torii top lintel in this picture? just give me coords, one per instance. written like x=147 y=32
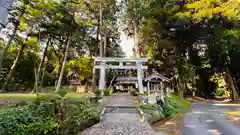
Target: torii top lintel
x=115 y=59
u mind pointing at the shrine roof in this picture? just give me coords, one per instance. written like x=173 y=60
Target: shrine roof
x=157 y=76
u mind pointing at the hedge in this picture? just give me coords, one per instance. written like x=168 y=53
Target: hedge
x=48 y=115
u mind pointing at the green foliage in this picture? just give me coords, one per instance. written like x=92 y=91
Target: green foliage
x=173 y=105
x=149 y=108
x=219 y=80
x=62 y=92
x=20 y=81
x=134 y=93
x=170 y=107
x=220 y=92
x=83 y=65
x=152 y=113
x=98 y=93
x=169 y=32
x=142 y=94
x=107 y=92
x=53 y=23
x=114 y=90
x=24 y=120
x=49 y=114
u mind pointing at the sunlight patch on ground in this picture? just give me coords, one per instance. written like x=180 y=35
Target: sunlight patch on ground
x=236 y=113
x=226 y=104
x=214 y=132
x=169 y=123
x=198 y=112
x=190 y=126
x=234 y=116
x=210 y=120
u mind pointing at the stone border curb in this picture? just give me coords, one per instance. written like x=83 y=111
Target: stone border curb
x=141 y=113
x=102 y=114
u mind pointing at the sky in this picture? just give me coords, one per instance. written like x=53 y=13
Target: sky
x=127 y=44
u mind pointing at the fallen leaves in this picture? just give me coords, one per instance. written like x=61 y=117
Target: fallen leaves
x=169 y=126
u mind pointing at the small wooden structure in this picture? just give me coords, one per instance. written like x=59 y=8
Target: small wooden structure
x=156 y=82
x=128 y=83
x=77 y=84
x=158 y=85
x=74 y=79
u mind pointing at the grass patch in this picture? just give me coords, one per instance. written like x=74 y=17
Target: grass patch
x=182 y=104
x=31 y=96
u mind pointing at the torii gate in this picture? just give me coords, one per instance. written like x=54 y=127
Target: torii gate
x=102 y=64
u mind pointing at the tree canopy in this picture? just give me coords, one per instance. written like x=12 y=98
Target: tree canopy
x=191 y=41
x=195 y=42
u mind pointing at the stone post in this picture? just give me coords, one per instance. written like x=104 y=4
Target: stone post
x=148 y=86
x=139 y=75
x=102 y=83
x=162 y=91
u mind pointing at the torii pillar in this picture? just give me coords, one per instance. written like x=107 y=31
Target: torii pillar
x=102 y=79
x=139 y=70
x=103 y=66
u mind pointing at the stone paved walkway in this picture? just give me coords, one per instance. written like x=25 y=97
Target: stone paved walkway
x=121 y=118
x=207 y=118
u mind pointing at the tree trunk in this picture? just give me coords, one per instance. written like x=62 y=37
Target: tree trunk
x=95 y=54
x=5 y=48
x=63 y=65
x=39 y=72
x=94 y=78
x=60 y=61
x=181 y=88
x=43 y=75
x=12 y=69
x=230 y=84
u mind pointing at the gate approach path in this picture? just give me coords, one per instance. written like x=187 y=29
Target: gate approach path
x=207 y=118
x=121 y=117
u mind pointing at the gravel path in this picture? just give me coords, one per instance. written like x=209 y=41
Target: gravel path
x=121 y=118
x=209 y=119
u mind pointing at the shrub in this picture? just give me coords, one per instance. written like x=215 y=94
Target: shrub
x=50 y=114
x=107 y=92
x=170 y=107
x=173 y=104
x=97 y=93
x=115 y=90
x=220 y=92
x=142 y=94
x=152 y=113
x=134 y=93
x=148 y=108
x=24 y=121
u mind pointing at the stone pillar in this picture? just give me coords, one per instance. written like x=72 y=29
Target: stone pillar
x=139 y=75
x=148 y=86
x=162 y=91
x=120 y=63
x=102 y=82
